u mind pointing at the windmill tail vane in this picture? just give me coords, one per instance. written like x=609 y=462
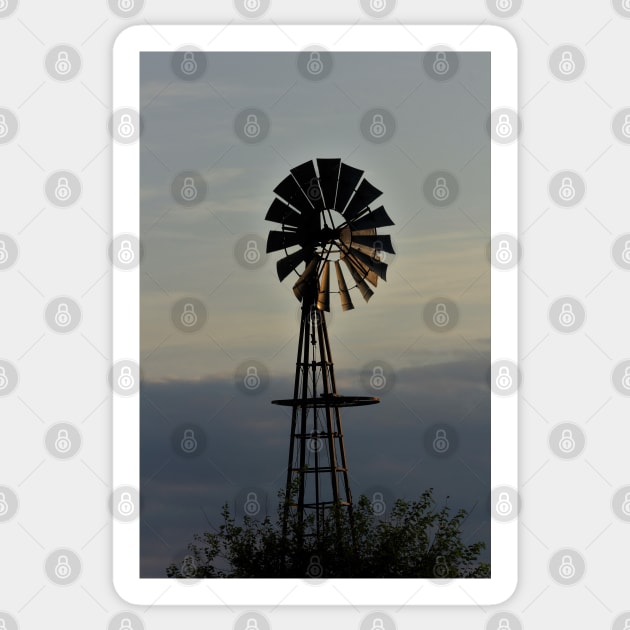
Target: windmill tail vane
x=324 y=210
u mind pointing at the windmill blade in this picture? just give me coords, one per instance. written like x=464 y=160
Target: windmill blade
x=323 y=298
x=328 y=177
x=287 y=264
x=374 y=242
x=282 y=240
x=366 y=292
x=280 y=212
x=362 y=198
x=307 y=179
x=348 y=179
x=368 y=232
x=289 y=190
x=379 y=268
x=375 y=219
x=299 y=287
x=344 y=295
x=364 y=272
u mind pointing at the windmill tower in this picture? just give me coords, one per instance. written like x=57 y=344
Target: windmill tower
x=326 y=220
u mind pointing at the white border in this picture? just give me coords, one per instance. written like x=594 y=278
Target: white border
x=288 y=592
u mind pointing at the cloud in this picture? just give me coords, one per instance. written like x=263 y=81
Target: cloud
x=245 y=443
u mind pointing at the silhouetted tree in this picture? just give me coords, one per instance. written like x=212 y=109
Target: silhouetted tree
x=416 y=540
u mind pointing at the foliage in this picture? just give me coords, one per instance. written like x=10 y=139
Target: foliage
x=416 y=540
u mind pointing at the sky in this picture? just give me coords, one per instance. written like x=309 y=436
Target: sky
x=191 y=379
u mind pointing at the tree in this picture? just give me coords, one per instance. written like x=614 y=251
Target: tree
x=416 y=540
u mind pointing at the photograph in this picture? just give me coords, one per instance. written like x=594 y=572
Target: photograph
x=315 y=314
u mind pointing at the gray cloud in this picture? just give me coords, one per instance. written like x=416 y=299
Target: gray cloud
x=247 y=439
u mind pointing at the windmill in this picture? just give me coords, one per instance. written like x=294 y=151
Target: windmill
x=326 y=220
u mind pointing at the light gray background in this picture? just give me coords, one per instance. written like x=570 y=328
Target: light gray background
x=566 y=252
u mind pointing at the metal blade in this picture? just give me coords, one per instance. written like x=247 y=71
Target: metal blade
x=362 y=198
x=362 y=270
x=289 y=190
x=344 y=295
x=328 y=177
x=379 y=268
x=282 y=240
x=376 y=242
x=280 y=212
x=323 y=298
x=300 y=286
x=366 y=292
x=287 y=264
x=348 y=179
x=375 y=219
x=307 y=179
